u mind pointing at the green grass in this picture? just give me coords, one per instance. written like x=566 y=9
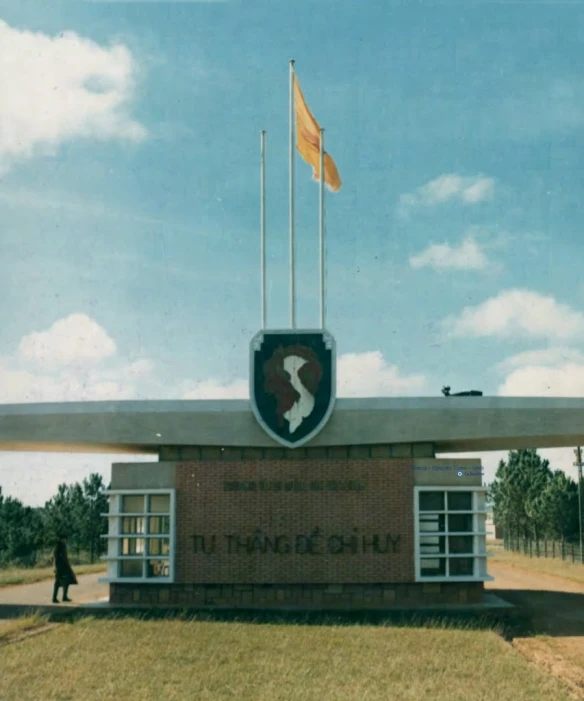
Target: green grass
x=11 y=629
x=16 y=575
x=178 y=660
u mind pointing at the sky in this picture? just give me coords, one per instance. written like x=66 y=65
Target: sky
x=129 y=200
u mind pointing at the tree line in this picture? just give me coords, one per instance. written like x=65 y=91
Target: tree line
x=532 y=502
x=75 y=512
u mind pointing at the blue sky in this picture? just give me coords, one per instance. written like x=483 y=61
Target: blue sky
x=129 y=174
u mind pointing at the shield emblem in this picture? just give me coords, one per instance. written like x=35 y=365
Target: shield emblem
x=292 y=383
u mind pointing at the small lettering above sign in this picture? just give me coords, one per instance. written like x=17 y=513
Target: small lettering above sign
x=294 y=486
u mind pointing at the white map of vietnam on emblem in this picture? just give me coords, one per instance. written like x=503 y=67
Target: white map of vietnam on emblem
x=292 y=376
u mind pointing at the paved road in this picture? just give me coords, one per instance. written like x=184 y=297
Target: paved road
x=41 y=593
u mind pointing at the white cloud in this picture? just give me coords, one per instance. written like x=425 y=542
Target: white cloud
x=76 y=339
x=469 y=255
x=518 y=313
x=481 y=189
x=78 y=385
x=369 y=375
x=567 y=380
x=449 y=186
x=53 y=89
x=543 y=356
x=139 y=368
x=546 y=372
x=74 y=360
x=213 y=389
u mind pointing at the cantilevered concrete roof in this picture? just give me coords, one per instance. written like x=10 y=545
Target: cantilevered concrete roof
x=452 y=424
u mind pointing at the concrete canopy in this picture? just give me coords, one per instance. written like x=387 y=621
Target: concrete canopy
x=451 y=424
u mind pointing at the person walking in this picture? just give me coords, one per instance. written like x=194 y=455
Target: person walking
x=64 y=575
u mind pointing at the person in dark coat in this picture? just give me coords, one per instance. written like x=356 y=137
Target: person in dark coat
x=64 y=575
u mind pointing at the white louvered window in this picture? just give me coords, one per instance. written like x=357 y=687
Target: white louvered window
x=450 y=534
x=140 y=536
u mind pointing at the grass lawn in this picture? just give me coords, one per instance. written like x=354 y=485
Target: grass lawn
x=179 y=660
x=554 y=566
x=13 y=628
x=13 y=575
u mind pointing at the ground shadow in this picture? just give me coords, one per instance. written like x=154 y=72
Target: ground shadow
x=508 y=623
x=552 y=613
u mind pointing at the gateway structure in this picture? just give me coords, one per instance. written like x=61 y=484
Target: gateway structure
x=344 y=524
x=361 y=515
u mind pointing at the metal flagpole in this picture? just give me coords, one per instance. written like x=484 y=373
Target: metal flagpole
x=321 y=227
x=263 y=224
x=578 y=453
x=291 y=170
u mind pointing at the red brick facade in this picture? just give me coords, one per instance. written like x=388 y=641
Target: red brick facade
x=295 y=522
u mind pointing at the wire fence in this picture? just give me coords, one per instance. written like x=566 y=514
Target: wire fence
x=545 y=548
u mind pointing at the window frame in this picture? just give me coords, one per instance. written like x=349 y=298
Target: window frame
x=115 y=536
x=479 y=553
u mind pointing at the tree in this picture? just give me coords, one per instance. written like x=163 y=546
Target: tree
x=20 y=532
x=96 y=504
x=516 y=493
x=59 y=516
x=77 y=510
x=559 y=505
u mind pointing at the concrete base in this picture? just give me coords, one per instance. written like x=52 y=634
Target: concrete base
x=489 y=602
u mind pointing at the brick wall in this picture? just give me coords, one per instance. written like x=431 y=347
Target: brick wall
x=260 y=513
x=315 y=596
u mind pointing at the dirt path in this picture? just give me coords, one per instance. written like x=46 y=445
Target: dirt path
x=556 y=607
x=40 y=593
x=509 y=576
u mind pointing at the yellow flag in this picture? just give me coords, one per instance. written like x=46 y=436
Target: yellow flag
x=308 y=142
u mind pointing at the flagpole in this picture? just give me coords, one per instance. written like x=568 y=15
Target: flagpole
x=321 y=227
x=263 y=223
x=291 y=173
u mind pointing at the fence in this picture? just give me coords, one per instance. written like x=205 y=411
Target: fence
x=545 y=548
